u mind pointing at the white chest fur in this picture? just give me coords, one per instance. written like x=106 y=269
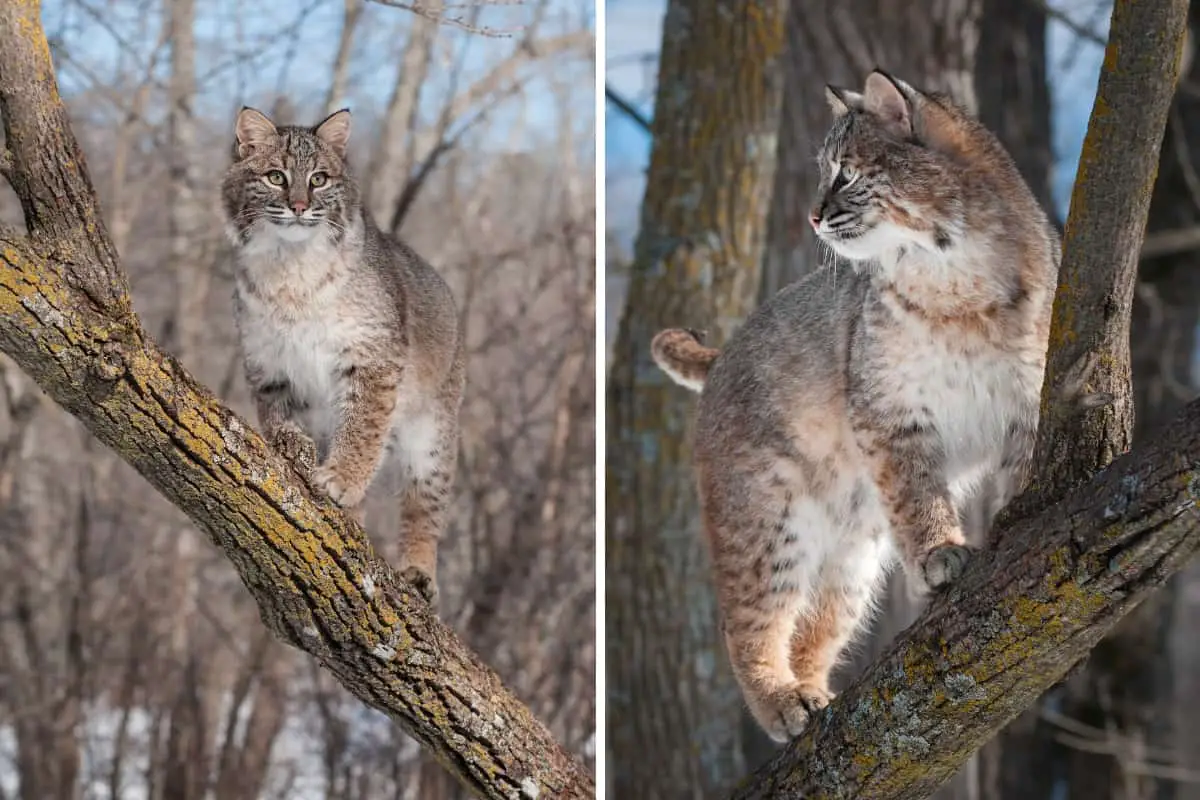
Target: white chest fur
x=971 y=391
x=290 y=322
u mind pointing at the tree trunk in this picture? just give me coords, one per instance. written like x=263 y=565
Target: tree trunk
x=187 y=744
x=341 y=62
x=1124 y=692
x=673 y=708
x=392 y=163
x=1011 y=89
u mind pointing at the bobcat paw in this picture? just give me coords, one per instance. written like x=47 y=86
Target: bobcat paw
x=423 y=583
x=945 y=564
x=291 y=442
x=330 y=480
x=786 y=713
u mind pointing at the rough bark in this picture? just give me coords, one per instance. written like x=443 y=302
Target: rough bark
x=65 y=319
x=1089 y=335
x=1126 y=688
x=1070 y=559
x=696 y=262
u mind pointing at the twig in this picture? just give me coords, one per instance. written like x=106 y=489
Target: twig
x=626 y=108
x=1169 y=243
x=421 y=9
x=1133 y=758
x=1062 y=17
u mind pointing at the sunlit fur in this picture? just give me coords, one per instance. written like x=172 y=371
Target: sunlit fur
x=351 y=340
x=844 y=426
x=254 y=206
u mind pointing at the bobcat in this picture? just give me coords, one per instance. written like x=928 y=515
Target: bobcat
x=351 y=341
x=849 y=419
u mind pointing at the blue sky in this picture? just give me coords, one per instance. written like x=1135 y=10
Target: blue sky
x=249 y=51
x=634 y=30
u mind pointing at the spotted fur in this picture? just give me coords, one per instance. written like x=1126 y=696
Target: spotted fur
x=848 y=421
x=350 y=339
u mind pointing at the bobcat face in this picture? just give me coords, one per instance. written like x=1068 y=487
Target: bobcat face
x=882 y=187
x=289 y=183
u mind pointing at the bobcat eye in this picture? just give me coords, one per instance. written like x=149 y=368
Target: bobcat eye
x=276 y=178
x=848 y=175
x=318 y=180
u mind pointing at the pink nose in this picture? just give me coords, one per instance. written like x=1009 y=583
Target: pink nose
x=299 y=205
x=814 y=219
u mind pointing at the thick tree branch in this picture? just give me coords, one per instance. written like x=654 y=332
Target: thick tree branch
x=65 y=319
x=1076 y=552
x=46 y=166
x=1020 y=617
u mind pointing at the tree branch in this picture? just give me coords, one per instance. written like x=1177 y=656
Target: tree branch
x=65 y=319
x=436 y=12
x=1019 y=619
x=1088 y=359
x=627 y=108
x=1078 y=550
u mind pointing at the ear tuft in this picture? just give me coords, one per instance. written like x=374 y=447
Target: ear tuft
x=836 y=98
x=885 y=98
x=253 y=131
x=334 y=130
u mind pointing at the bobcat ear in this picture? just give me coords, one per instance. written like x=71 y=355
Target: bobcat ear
x=937 y=124
x=887 y=98
x=253 y=130
x=334 y=131
x=842 y=101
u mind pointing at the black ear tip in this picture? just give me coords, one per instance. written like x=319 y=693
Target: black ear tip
x=887 y=76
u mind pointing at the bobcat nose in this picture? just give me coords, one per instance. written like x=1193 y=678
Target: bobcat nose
x=299 y=205
x=814 y=218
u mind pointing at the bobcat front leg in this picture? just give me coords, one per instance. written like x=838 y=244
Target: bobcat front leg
x=277 y=406
x=906 y=468
x=364 y=420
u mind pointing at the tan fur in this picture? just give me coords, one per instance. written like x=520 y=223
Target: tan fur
x=682 y=355
x=846 y=423
x=352 y=345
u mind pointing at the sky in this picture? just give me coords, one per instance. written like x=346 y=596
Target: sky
x=249 y=52
x=634 y=31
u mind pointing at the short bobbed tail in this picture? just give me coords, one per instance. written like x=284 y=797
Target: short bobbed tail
x=682 y=355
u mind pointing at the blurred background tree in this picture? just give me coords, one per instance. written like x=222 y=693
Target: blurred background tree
x=132 y=662
x=1118 y=727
